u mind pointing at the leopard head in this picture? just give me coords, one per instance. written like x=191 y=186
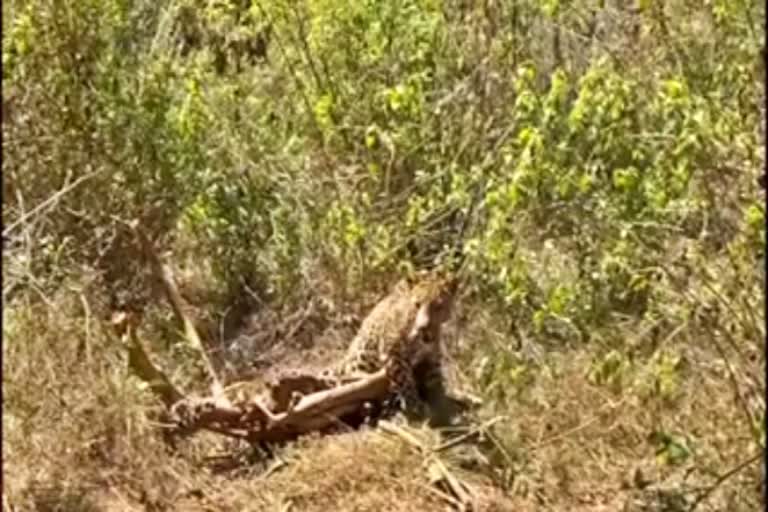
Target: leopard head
x=433 y=294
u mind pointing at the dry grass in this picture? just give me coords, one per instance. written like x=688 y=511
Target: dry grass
x=77 y=435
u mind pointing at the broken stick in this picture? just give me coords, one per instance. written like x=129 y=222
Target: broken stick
x=164 y=274
x=125 y=325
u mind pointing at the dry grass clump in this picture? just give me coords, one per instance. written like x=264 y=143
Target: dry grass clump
x=78 y=434
x=578 y=433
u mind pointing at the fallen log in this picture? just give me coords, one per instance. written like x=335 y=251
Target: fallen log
x=319 y=411
x=251 y=419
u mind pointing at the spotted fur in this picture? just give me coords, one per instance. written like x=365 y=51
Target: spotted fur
x=403 y=332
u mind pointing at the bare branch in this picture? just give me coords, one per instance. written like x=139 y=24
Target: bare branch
x=51 y=201
x=164 y=274
x=139 y=362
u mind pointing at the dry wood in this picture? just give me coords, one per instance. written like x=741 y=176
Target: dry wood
x=164 y=274
x=125 y=325
x=314 y=412
x=251 y=420
x=440 y=476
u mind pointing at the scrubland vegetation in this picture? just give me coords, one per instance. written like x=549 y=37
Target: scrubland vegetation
x=596 y=163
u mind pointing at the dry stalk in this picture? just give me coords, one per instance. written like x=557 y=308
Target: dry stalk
x=462 y=495
x=164 y=274
x=439 y=474
x=480 y=429
x=722 y=478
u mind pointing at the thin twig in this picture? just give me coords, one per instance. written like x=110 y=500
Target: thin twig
x=473 y=432
x=463 y=492
x=577 y=428
x=442 y=495
x=87 y=322
x=301 y=86
x=391 y=428
x=722 y=478
x=48 y=202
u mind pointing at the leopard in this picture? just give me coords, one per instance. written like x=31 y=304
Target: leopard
x=402 y=334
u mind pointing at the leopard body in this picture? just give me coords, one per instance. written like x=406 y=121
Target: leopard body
x=401 y=333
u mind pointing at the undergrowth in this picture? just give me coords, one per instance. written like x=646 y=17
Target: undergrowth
x=596 y=167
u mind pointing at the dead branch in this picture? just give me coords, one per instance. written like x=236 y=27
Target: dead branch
x=442 y=477
x=722 y=478
x=318 y=411
x=139 y=362
x=472 y=433
x=448 y=486
x=164 y=274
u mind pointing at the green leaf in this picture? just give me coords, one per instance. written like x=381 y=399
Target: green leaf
x=551 y=8
x=322 y=109
x=671 y=449
x=625 y=179
x=371 y=138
